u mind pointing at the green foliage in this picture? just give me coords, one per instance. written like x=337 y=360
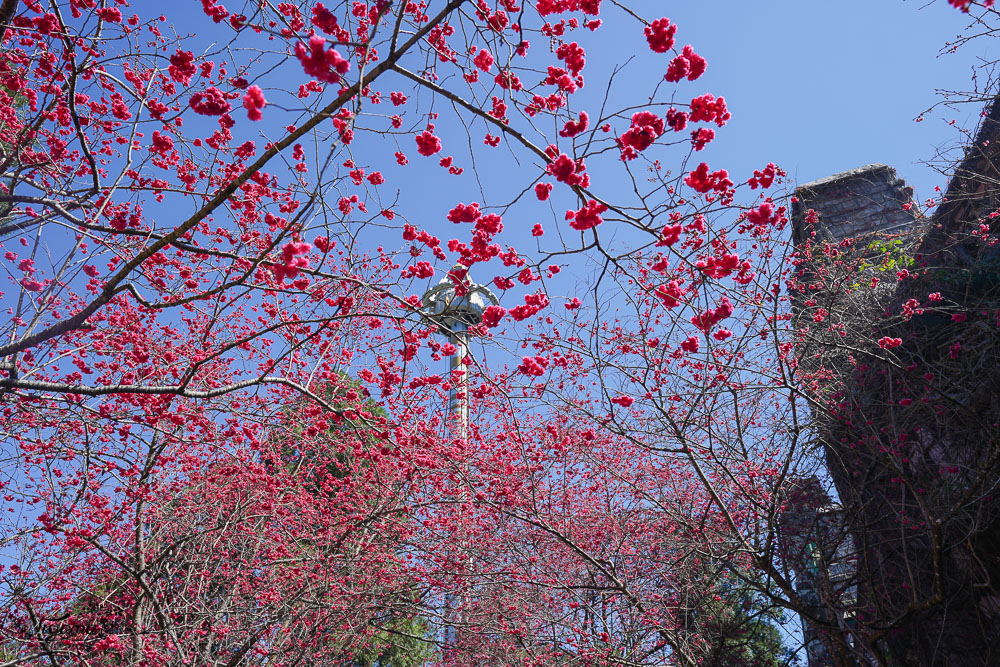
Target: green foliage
x=400 y=640
x=352 y=416
x=981 y=281
x=885 y=255
x=399 y=644
x=741 y=632
x=731 y=623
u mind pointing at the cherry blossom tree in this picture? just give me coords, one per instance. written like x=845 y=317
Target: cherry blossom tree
x=225 y=432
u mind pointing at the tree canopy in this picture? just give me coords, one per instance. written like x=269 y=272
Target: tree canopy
x=227 y=422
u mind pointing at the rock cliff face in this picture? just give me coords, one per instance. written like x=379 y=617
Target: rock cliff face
x=911 y=425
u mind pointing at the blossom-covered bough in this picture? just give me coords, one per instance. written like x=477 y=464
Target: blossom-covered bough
x=225 y=432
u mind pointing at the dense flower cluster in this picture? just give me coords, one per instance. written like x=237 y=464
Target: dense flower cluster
x=701 y=180
x=709 y=318
x=644 y=130
x=701 y=137
x=569 y=171
x=321 y=63
x=573 y=55
x=588 y=217
x=182 y=67
x=427 y=143
x=532 y=304
x=493 y=315
x=764 y=178
x=677 y=120
x=484 y=60
x=546 y=7
x=688 y=64
x=573 y=128
x=212 y=102
x=671 y=294
x=660 y=35
x=326 y=21
x=709 y=109
x=253 y=102
x=533 y=366
x=293 y=259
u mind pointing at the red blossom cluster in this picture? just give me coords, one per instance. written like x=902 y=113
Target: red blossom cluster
x=690 y=344
x=573 y=55
x=764 y=178
x=573 y=128
x=532 y=304
x=422 y=269
x=644 y=130
x=493 y=315
x=326 y=21
x=677 y=120
x=342 y=121
x=484 y=60
x=702 y=181
x=719 y=268
x=533 y=366
x=671 y=294
x=569 y=171
x=543 y=190
x=427 y=143
x=587 y=217
x=709 y=109
x=182 y=67
x=557 y=76
x=254 y=102
x=211 y=102
x=546 y=7
x=709 y=318
x=463 y=213
x=688 y=64
x=110 y=14
x=293 y=259
x=764 y=217
x=660 y=35
x=161 y=143
x=669 y=235
x=320 y=62
x=701 y=137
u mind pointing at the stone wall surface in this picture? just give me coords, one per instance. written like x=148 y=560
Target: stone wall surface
x=856 y=202
x=917 y=477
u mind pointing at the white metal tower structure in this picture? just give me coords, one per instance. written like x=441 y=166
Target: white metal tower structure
x=455 y=309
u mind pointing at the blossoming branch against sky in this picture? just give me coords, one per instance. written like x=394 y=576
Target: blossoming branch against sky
x=822 y=87
x=231 y=431
x=816 y=87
